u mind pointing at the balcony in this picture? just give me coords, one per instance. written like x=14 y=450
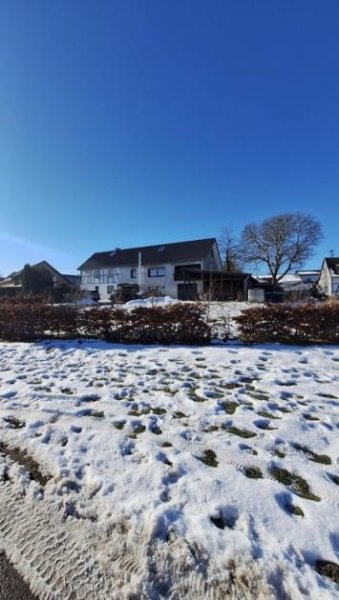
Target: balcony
x=187 y=273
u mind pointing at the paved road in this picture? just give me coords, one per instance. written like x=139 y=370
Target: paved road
x=12 y=586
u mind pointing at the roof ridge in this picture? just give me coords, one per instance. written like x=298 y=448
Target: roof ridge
x=212 y=239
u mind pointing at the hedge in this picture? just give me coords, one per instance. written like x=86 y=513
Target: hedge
x=291 y=324
x=27 y=319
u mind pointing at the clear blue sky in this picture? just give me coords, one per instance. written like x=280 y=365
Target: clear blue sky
x=133 y=122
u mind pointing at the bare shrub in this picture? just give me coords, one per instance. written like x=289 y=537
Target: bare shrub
x=291 y=324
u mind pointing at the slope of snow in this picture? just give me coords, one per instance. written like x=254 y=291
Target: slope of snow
x=153 y=454
x=153 y=301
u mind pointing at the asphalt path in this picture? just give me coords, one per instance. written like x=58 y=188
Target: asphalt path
x=12 y=586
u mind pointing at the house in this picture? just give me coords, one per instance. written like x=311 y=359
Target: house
x=179 y=269
x=11 y=285
x=186 y=270
x=328 y=282
x=293 y=279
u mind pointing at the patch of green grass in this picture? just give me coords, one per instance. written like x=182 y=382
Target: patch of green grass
x=67 y=390
x=230 y=386
x=159 y=411
x=261 y=396
x=195 y=375
x=152 y=372
x=194 y=396
x=211 y=429
x=267 y=415
x=249 y=388
x=330 y=396
x=309 y=417
x=179 y=415
x=279 y=453
x=137 y=411
x=229 y=406
x=243 y=433
x=297 y=484
x=156 y=430
x=98 y=414
x=252 y=472
x=167 y=390
x=14 y=422
x=209 y=458
x=166 y=445
x=327 y=569
x=139 y=428
x=119 y=424
x=296 y=510
x=284 y=409
x=323 y=459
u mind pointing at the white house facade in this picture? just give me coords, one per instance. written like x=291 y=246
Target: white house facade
x=162 y=268
x=328 y=282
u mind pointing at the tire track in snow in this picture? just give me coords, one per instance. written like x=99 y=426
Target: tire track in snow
x=65 y=560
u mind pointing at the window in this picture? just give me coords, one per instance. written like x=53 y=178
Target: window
x=97 y=273
x=156 y=272
x=110 y=272
x=110 y=289
x=133 y=273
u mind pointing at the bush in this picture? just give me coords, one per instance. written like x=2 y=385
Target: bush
x=27 y=319
x=176 y=323
x=291 y=324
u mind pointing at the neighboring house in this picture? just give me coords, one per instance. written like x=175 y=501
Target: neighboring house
x=175 y=269
x=293 y=279
x=328 y=282
x=311 y=276
x=11 y=285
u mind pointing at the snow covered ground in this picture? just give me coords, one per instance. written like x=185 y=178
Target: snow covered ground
x=170 y=472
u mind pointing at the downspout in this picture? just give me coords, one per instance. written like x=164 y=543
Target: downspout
x=139 y=271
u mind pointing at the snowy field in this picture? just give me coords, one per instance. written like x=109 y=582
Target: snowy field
x=170 y=472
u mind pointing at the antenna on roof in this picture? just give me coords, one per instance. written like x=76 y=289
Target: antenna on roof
x=331 y=252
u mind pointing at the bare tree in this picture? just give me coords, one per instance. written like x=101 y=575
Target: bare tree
x=231 y=253
x=281 y=242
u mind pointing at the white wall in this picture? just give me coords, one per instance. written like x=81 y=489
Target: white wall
x=166 y=284
x=328 y=284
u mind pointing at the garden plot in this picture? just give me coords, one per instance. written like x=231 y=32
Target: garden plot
x=159 y=472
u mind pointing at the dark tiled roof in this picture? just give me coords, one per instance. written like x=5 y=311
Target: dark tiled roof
x=333 y=264
x=162 y=253
x=73 y=280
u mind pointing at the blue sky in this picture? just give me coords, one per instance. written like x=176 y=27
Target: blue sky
x=133 y=122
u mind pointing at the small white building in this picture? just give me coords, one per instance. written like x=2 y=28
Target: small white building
x=160 y=268
x=328 y=282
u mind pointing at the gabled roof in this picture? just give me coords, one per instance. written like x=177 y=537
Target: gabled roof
x=162 y=253
x=14 y=279
x=333 y=264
